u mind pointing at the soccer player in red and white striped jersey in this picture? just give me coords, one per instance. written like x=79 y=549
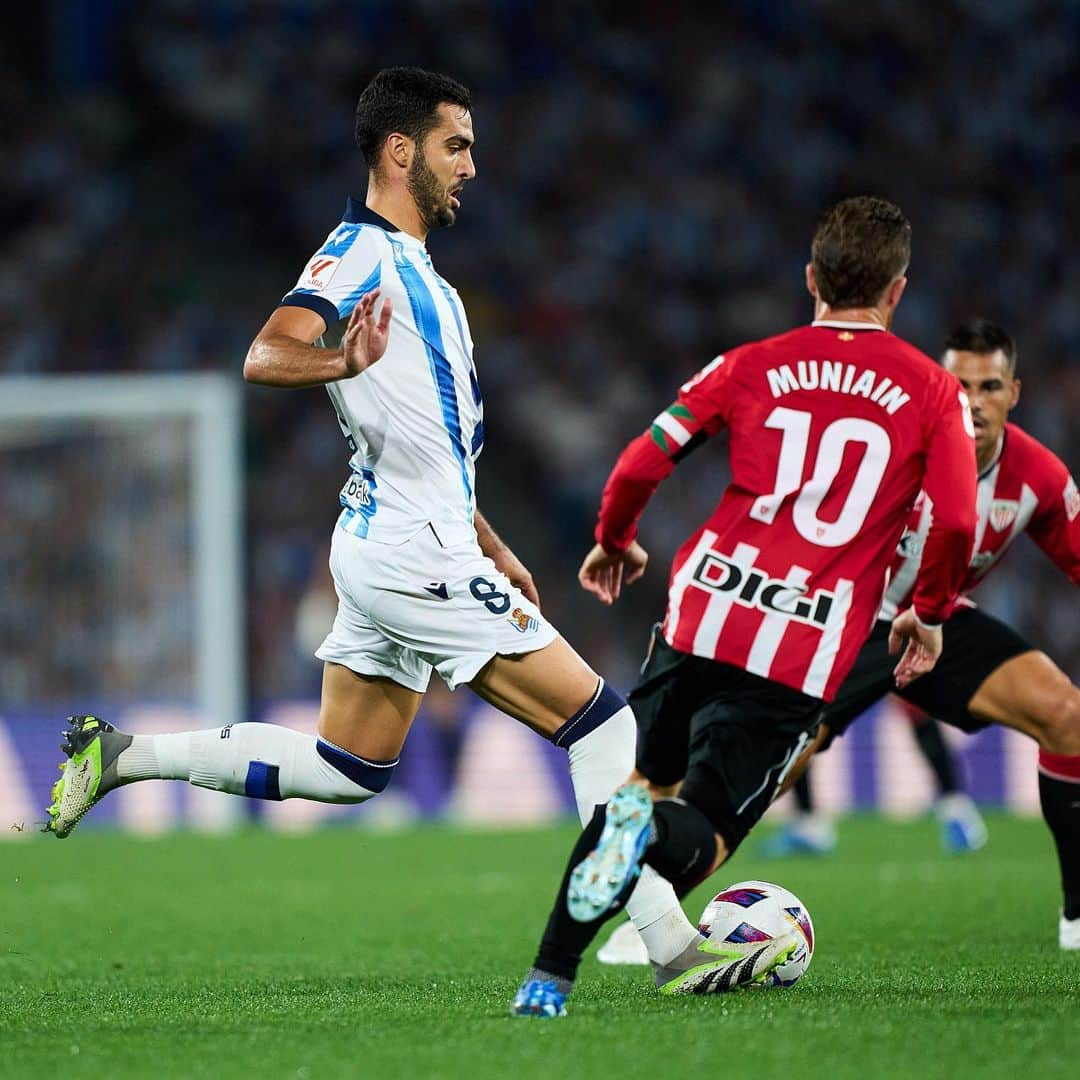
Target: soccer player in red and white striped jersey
x=988 y=673
x=834 y=429
x=1022 y=485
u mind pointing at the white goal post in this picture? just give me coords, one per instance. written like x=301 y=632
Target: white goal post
x=211 y=405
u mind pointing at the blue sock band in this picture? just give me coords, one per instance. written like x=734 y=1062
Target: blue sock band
x=373 y=775
x=603 y=705
x=261 y=781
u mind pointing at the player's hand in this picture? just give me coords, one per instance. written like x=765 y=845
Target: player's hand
x=604 y=575
x=517 y=573
x=922 y=650
x=365 y=339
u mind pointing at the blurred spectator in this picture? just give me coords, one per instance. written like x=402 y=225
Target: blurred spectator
x=647 y=188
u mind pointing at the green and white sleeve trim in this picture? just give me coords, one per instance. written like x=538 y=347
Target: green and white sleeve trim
x=674 y=428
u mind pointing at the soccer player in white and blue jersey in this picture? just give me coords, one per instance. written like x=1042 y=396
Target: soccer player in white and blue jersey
x=423 y=581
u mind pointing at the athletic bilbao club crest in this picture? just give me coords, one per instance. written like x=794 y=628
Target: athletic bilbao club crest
x=1072 y=500
x=1003 y=513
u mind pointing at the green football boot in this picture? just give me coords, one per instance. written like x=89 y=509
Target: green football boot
x=92 y=747
x=705 y=968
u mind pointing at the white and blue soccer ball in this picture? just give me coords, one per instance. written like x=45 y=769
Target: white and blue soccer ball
x=751 y=911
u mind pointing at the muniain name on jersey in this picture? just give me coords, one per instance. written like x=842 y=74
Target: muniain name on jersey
x=839 y=377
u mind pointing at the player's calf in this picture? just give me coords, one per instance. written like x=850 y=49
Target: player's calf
x=1033 y=695
x=261 y=761
x=1059 y=796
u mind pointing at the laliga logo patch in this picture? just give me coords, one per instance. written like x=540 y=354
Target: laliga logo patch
x=522 y=622
x=1003 y=513
x=320 y=272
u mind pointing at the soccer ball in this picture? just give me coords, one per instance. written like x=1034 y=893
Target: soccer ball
x=758 y=911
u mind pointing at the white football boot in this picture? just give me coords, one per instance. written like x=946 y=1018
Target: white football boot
x=624 y=946
x=1069 y=934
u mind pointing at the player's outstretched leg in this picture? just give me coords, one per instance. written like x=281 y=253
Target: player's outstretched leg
x=682 y=845
x=1059 y=794
x=261 y=761
x=93 y=747
x=1031 y=693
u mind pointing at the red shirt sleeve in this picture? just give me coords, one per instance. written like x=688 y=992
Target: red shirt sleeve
x=697 y=414
x=1055 y=527
x=950 y=482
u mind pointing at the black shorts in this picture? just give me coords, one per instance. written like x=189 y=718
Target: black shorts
x=976 y=644
x=730 y=736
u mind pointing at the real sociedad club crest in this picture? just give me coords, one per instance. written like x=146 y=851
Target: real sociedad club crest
x=1003 y=513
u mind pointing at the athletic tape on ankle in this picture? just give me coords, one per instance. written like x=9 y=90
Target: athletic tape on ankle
x=603 y=705
x=373 y=775
x=1060 y=766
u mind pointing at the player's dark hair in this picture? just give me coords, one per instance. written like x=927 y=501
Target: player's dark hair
x=983 y=337
x=860 y=246
x=403 y=99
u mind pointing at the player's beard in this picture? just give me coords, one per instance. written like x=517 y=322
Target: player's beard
x=430 y=196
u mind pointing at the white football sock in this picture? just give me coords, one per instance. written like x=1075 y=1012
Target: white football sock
x=599 y=763
x=602 y=760
x=263 y=760
x=655 y=910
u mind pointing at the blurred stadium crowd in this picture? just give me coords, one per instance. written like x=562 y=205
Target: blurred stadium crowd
x=647 y=187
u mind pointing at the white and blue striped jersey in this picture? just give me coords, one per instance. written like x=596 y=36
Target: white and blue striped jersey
x=414 y=420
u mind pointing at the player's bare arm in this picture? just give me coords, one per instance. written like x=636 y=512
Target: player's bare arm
x=284 y=354
x=495 y=548
x=604 y=573
x=618 y=558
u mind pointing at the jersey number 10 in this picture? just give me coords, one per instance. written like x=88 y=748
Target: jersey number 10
x=795 y=427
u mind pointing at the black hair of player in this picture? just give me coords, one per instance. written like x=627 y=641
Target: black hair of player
x=861 y=245
x=406 y=100
x=984 y=338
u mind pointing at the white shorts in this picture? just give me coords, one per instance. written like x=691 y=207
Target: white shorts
x=407 y=608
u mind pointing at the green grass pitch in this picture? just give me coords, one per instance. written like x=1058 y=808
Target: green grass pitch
x=351 y=953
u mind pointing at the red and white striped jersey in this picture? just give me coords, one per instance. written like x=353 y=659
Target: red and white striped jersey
x=834 y=429
x=1027 y=487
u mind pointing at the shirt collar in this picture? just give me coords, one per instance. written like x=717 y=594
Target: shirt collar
x=839 y=324
x=356 y=213
x=993 y=463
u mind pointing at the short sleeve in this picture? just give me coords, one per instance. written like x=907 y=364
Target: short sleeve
x=345 y=268
x=706 y=397
x=1056 y=524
